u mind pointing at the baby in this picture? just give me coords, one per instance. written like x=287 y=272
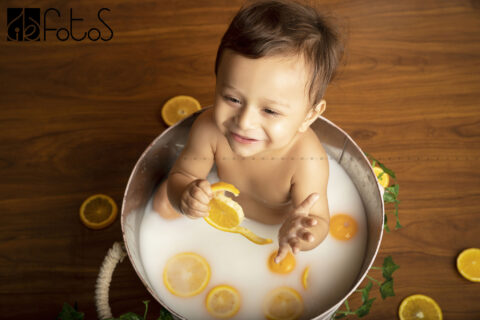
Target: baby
x=272 y=68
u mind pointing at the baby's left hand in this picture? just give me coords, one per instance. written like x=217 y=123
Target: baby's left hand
x=295 y=228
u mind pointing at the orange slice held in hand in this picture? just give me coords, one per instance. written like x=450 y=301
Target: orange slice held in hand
x=343 y=227
x=186 y=274
x=283 y=303
x=223 y=301
x=226 y=214
x=178 y=108
x=98 y=211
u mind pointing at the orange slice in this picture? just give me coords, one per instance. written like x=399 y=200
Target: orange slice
x=226 y=215
x=285 y=266
x=223 y=301
x=178 y=108
x=419 y=306
x=382 y=176
x=305 y=277
x=343 y=227
x=186 y=274
x=98 y=211
x=283 y=303
x=468 y=264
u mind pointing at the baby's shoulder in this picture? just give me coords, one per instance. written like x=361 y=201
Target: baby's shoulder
x=310 y=156
x=308 y=146
x=204 y=131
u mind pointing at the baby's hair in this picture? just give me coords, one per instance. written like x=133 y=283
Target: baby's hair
x=270 y=27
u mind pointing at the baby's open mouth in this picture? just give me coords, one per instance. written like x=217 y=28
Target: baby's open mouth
x=243 y=139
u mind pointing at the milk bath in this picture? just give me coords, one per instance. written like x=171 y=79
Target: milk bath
x=235 y=261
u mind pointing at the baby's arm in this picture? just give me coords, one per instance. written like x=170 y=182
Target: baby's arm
x=188 y=190
x=307 y=226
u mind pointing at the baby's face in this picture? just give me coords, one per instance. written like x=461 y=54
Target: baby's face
x=260 y=104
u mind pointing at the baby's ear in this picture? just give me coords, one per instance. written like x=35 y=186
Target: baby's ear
x=312 y=115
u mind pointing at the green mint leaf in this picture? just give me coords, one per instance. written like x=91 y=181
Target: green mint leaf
x=69 y=313
x=389 y=267
x=385 y=225
x=386 y=289
x=398 y=225
x=386 y=170
x=396 y=188
x=388 y=197
x=366 y=291
x=130 y=316
x=364 y=308
x=165 y=315
x=340 y=316
x=146 y=309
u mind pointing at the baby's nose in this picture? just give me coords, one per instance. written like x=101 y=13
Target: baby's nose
x=247 y=118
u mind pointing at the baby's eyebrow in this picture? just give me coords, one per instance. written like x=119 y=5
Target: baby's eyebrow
x=278 y=103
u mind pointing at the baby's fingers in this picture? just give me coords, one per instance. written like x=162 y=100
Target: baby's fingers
x=308 y=222
x=304 y=234
x=201 y=192
x=282 y=252
x=294 y=244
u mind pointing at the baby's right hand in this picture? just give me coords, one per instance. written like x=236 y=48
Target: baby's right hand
x=195 y=199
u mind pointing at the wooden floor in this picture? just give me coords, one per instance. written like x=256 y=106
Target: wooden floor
x=76 y=115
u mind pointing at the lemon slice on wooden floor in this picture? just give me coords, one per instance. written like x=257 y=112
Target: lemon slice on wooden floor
x=186 y=274
x=98 y=211
x=382 y=176
x=283 y=303
x=226 y=215
x=468 y=264
x=223 y=301
x=178 y=108
x=419 y=306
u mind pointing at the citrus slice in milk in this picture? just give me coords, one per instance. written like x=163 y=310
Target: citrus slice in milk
x=285 y=266
x=305 y=274
x=283 y=303
x=419 y=306
x=178 y=108
x=226 y=214
x=468 y=264
x=98 y=211
x=382 y=176
x=186 y=274
x=223 y=301
x=343 y=227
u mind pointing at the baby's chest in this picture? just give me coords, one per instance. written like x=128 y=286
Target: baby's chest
x=265 y=180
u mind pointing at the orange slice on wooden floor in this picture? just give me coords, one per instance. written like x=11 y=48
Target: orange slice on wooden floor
x=178 y=108
x=419 y=306
x=186 y=274
x=468 y=264
x=226 y=215
x=382 y=176
x=283 y=303
x=98 y=211
x=223 y=301
x=285 y=266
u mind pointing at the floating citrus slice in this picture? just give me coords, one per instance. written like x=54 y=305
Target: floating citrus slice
x=223 y=301
x=468 y=264
x=419 y=306
x=283 y=303
x=186 y=274
x=343 y=227
x=285 y=266
x=226 y=215
x=382 y=176
x=98 y=211
x=178 y=108
x=305 y=274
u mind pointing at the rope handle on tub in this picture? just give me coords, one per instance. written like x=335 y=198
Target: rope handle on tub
x=115 y=255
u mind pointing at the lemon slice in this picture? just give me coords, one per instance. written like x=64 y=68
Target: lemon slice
x=98 y=211
x=186 y=274
x=305 y=277
x=468 y=264
x=384 y=179
x=285 y=266
x=283 y=303
x=178 y=108
x=223 y=301
x=419 y=306
x=226 y=215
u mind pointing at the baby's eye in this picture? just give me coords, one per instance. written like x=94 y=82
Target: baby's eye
x=232 y=99
x=270 y=112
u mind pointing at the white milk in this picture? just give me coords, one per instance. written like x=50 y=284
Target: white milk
x=234 y=260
